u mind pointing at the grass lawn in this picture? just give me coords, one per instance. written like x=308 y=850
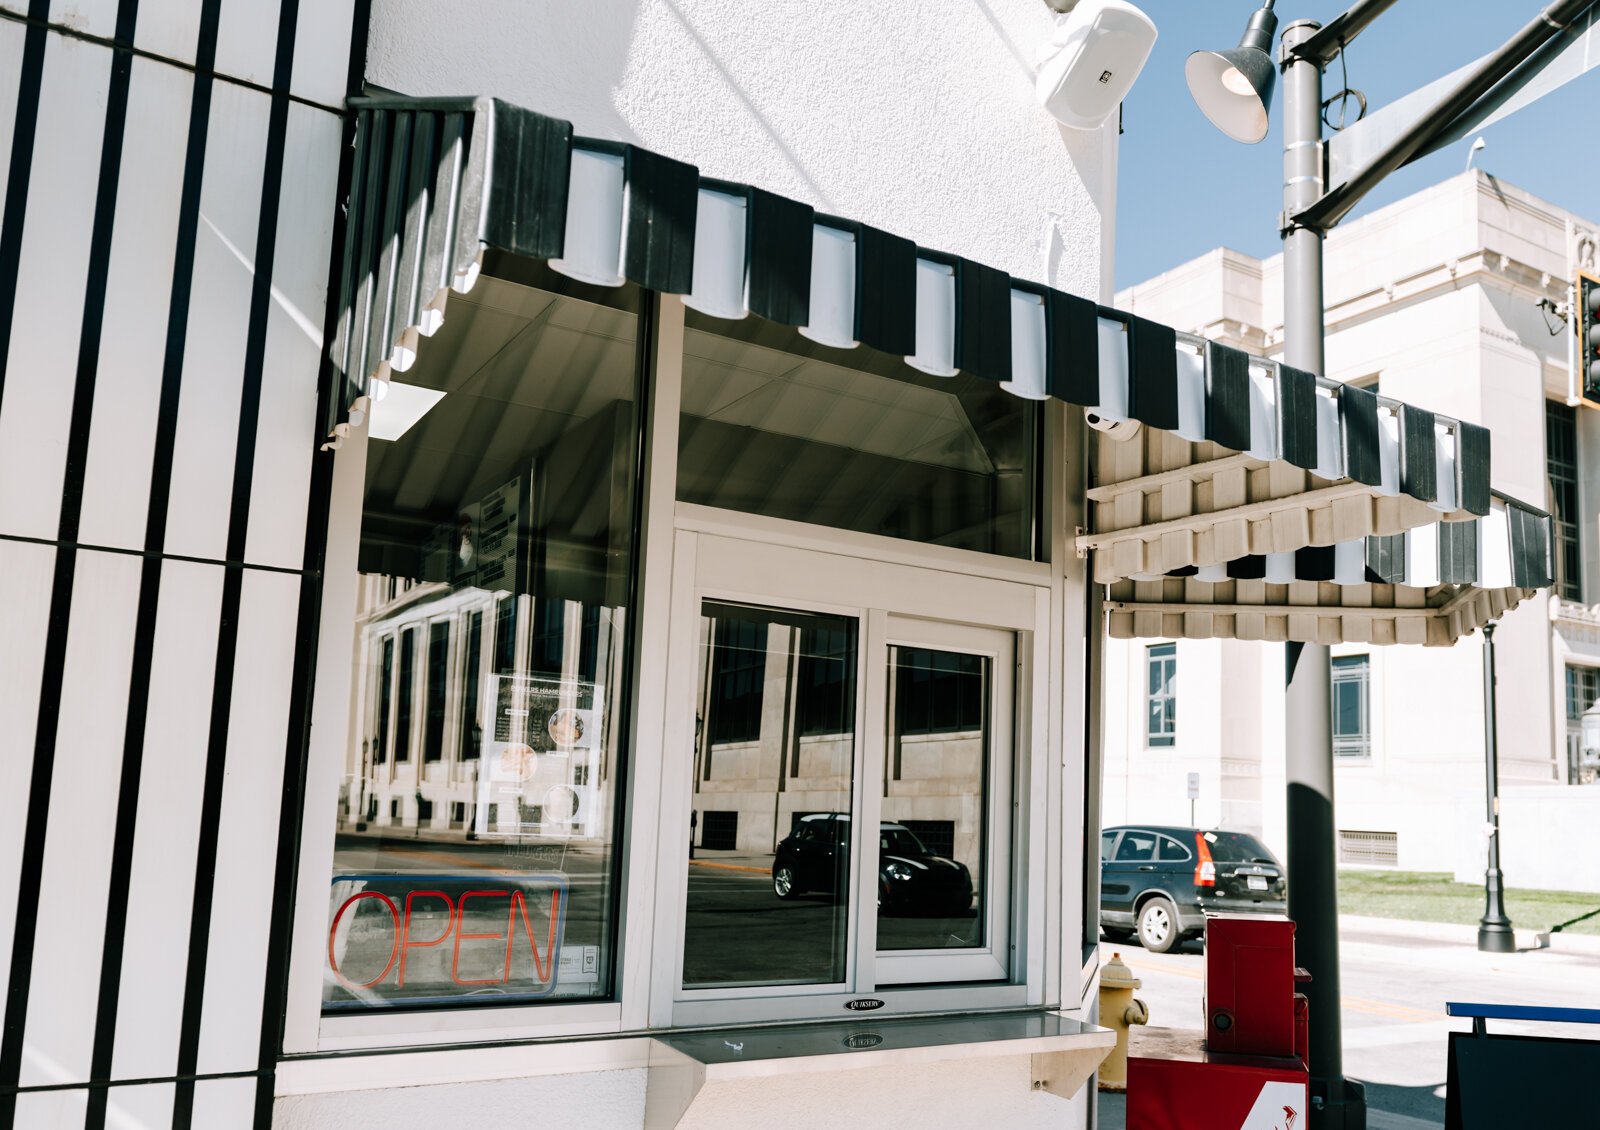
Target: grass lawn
x=1434 y=896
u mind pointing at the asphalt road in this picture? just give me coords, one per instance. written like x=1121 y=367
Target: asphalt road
x=1396 y=978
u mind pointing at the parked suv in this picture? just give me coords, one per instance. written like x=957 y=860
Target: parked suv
x=1161 y=881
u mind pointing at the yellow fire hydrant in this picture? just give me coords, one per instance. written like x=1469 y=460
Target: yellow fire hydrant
x=1118 y=1009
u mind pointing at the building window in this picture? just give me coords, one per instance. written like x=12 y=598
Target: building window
x=438 y=691
x=1161 y=695
x=402 y=714
x=1352 y=710
x=825 y=701
x=491 y=519
x=776 y=424
x=471 y=724
x=1561 y=471
x=1583 y=687
x=937 y=692
x=380 y=743
x=738 y=672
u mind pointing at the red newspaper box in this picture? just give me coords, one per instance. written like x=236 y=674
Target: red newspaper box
x=1250 y=982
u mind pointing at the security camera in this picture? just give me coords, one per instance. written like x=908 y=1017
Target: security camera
x=1112 y=429
x=1093 y=57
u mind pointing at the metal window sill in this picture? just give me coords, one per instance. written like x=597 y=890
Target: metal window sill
x=1064 y=1052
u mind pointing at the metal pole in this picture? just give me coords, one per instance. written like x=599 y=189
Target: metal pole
x=1494 y=928
x=1308 y=719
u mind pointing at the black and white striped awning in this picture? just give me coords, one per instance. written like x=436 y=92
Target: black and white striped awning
x=1430 y=585
x=1233 y=456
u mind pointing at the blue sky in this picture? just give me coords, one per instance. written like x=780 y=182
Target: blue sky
x=1184 y=188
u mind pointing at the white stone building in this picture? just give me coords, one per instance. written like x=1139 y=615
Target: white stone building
x=1435 y=299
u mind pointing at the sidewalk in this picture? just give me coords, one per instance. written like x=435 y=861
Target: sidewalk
x=1452 y=933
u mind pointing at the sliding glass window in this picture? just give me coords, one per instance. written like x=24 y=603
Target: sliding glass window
x=475 y=858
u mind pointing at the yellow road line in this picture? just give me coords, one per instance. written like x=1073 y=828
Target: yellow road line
x=727 y=866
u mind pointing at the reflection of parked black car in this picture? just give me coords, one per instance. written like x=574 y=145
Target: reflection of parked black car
x=816 y=857
x=1161 y=881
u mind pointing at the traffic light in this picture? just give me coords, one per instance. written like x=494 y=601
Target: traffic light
x=1588 y=321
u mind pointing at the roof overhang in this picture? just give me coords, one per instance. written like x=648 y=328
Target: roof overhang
x=1231 y=456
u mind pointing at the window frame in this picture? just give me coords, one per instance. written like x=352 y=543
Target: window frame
x=724 y=538
x=1164 y=655
x=1358 y=747
x=1042 y=842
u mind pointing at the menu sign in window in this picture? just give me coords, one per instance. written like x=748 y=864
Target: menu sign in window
x=542 y=757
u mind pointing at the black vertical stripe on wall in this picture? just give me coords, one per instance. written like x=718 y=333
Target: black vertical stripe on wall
x=1386 y=559
x=275 y=990
x=233 y=581
x=1458 y=553
x=1419 y=469
x=47 y=731
x=1297 y=417
x=1072 y=333
x=886 y=291
x=530 y=170
x=983 y=321
x=1472 y=468
x=1358 y=420
x=1152 y=373
x=663 y=202
x=1227 y=396
x=779 y=250
x=30 y=76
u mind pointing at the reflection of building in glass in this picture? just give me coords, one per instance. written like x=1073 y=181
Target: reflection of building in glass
x=426 y=755
x=775 y=734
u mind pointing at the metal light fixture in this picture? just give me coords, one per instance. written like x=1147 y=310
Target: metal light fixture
x=1234 y=88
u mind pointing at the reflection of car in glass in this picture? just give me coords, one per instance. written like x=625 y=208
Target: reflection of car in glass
x=816 y=855
x=1160 y=882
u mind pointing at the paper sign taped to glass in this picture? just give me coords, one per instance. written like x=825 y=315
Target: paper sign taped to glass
x=427 y=938
x=542 y=758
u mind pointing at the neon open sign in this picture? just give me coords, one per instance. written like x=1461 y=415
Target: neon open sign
x=428 y=938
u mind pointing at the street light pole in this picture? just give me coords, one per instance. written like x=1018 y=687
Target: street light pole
x=1494 y=928
x=1308 y=716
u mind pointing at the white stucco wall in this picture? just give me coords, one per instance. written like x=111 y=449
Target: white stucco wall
x=1532 y=823
x=920 y=121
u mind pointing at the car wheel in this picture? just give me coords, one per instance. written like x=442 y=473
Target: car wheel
x=784 y=884
x=1158 y=926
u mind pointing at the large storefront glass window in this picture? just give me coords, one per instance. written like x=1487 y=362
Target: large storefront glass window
x=476 y=851
x=778 y=425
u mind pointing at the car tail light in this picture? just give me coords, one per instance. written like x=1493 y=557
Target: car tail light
x=1205 y=870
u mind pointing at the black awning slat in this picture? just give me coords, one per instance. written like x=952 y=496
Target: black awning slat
x=439 y=245
x=1358 y=420
x=663 y=200
x=1472 y=468
x=1314 y=563
x=530 y=171
x=413 y=229
x=1386 y=559
x=983 y=321
x=1073 y=347
x=886 y=291
x=383 y=332
x=779 y=253
x=1297 y=417
x=1152 y=373
x=367 y=257
x=1419 y=468
x=1227 y=396
x=1458 y=553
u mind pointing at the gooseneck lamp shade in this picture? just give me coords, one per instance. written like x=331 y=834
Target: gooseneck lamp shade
x=1234 y=87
